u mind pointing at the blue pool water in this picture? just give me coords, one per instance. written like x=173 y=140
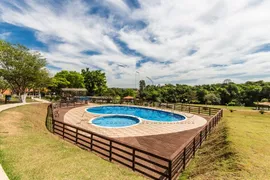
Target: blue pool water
x=115 y=121
x=144 y=113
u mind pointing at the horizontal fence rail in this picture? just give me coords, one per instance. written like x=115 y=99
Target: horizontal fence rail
x=144 y=162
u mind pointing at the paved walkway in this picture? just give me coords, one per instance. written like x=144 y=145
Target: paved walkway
x=41 y=100
x=8 y=106
x=3 y=175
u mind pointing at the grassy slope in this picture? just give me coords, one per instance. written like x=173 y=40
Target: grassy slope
x=237 y=149
x=29 y=151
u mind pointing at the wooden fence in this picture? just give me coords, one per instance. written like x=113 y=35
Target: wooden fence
x=147 y=163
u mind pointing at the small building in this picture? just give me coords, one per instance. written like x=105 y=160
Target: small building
x=128 y=99
x=71 y=92
x=263 y=106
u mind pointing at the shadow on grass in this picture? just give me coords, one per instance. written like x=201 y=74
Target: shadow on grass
x=216 y=159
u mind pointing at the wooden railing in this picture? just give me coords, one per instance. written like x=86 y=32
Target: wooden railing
x=208 y=111
x=147 y=163
x=181 y=158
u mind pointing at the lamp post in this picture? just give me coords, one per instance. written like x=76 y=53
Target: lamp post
x=150 y=80
x=137 y=72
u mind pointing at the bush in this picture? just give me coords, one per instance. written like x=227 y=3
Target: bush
x=231 y=103
x=234 y=102
x=264 y=100
x=262 y=111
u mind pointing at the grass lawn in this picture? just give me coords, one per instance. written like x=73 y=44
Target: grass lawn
x=29 y=151
x=237 y=149
x=226 y=107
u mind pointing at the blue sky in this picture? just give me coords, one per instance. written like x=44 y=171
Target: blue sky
x=170 y=41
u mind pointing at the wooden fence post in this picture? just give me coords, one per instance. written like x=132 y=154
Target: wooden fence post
x=133 y=160
x=209 y=111
x=91 y=146
x=199 y=111
x=200 y=138
x=221 y=112
x=206 y=129
x=110 y=150
x=189 y=109
x=76 y=135
x=194 y=146
x=184 y=160
x=63 y=135
x=170 y=170
x=53 y=122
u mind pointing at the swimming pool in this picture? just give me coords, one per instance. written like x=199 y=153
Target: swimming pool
x=113 y=121
x=144 y=113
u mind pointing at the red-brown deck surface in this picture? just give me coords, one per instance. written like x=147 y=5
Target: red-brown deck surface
x=164 y=144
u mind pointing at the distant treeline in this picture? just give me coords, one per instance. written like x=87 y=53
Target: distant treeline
x=226 y=94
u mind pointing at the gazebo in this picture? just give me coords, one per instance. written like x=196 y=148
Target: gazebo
x=128 y=98
x=67 y=92
x=263 y=106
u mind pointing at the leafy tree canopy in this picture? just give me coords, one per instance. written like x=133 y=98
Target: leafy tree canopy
x=67 y=79
x=95 y=82
x=21 y=68
x=4 y=85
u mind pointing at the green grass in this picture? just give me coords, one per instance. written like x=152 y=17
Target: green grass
x=226 y=107
x=237 y=149
x=29 y=151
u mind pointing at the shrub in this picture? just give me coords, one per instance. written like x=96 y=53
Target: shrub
x=234 y=102
x=231 y=103
x=262 y=111
x=264 y=100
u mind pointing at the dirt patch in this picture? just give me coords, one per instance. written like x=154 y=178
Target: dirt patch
x=9 y=122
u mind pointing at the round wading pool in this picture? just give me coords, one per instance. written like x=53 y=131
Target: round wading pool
x=144 y=113
x=115 y=121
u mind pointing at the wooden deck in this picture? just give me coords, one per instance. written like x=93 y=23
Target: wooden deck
x=164 y=145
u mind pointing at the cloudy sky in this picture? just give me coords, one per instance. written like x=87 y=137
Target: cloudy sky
x=169 y=41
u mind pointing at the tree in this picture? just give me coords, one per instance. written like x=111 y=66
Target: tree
x=66 y=79
x=95 y=82
x=43 y=81
x=152 y=93
x=74 y=78
x=212 y=99
x=20 y=67
x=142 y=87
x=129 y=92
x=3 y=85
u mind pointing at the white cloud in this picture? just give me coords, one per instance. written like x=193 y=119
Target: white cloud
x=4 y=35
x=222 y=32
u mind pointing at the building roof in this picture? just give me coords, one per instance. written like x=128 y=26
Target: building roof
x=74 y=89
x=128 y=97
x=263 y=103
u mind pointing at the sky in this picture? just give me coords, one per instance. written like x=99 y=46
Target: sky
x=169 y=41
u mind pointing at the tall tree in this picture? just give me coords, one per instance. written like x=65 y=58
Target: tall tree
x=142 y=87
x=95 y=82
x=20 y=67
x=212 y=99
x=4 y=85
x=66 y=79
x=74 y=78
